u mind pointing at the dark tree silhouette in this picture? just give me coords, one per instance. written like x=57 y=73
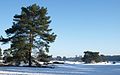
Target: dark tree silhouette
x=90 y=57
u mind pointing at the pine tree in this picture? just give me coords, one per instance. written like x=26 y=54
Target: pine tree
x=30 y=29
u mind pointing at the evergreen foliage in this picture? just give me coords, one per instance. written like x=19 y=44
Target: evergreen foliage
x=42 y=56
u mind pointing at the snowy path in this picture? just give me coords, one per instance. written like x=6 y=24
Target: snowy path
x=67 y=69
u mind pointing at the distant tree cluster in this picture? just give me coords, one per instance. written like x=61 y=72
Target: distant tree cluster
x=91 y=57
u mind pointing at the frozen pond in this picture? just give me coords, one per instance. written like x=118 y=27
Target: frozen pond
x=63 y=69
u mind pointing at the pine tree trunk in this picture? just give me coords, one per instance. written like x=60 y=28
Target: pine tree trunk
x=31 y=42
x=30 y=63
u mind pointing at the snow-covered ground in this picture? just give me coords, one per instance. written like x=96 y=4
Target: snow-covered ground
x=69 y=68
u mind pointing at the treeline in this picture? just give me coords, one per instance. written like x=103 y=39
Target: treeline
x=90 y=57
x=112 y=58
x=95 y=57
x=64 y=58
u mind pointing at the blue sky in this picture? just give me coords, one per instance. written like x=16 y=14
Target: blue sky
x=80 y=24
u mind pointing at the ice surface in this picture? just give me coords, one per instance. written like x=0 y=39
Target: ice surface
x=65 y=69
